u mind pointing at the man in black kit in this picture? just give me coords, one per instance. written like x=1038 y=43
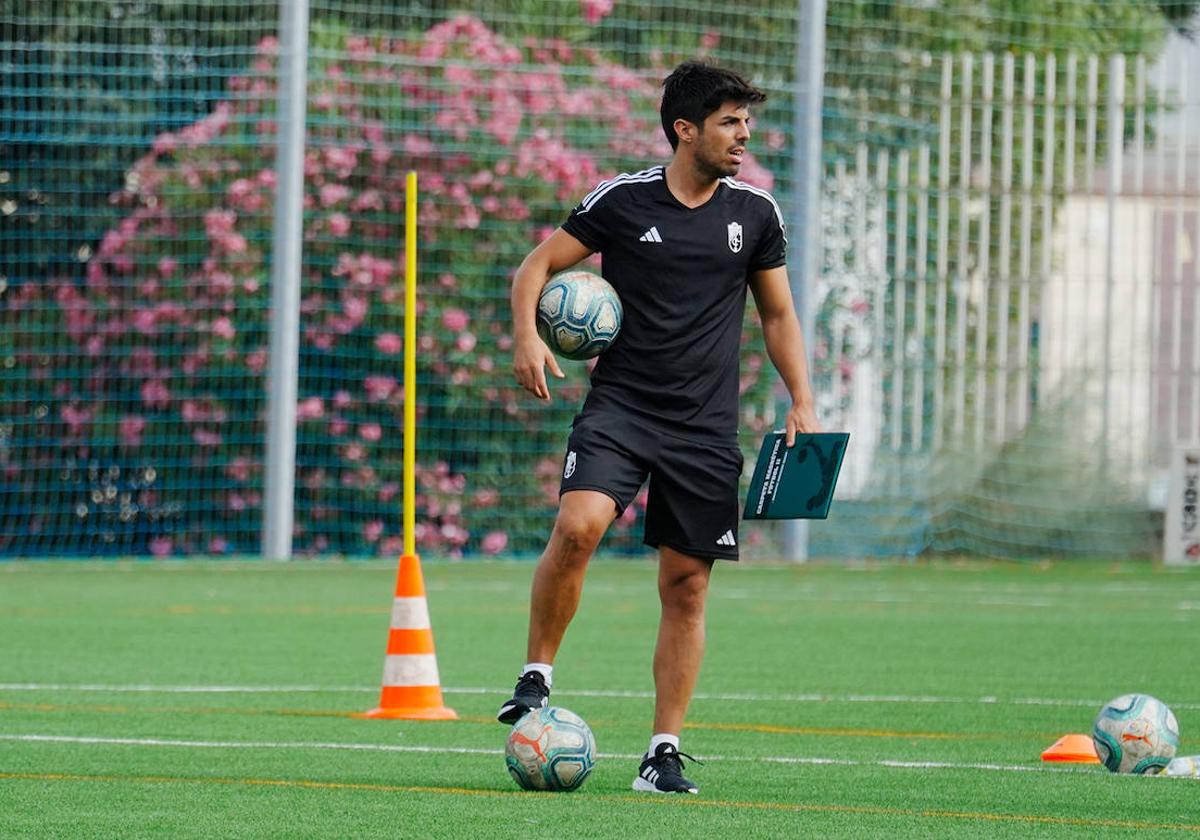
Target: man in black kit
x=680 y=243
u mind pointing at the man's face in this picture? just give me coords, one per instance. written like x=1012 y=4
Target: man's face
x=722 y=139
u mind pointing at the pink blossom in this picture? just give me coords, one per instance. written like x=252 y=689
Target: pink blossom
x=332 y=194
x=627 y=517
x=218 y=545
x=167 y=266
x=204 y=437
x=338 y=427
x=494 y=542
x=455 y=320
x=454 y=534
x=164 y=143
x=595 y=11
x=256 y=360
x=389 y=343
x=417 y=146
x=145 y=321
x=161 y=546
x=218 y=223
x=354 y=452
x=240 y=189
x=389 y=491
x=342 y=398
x=192 y=412
x=223 y=328
x=368 y=200
x=155 y=394
x=465 y=342
x=235 y=243
x=341 y=160
x=370 y=432
x=131 y=428
x=373 y=530
x=379 y=388
x=355 y=308
x=339 y=224
x=311 y=408
x=238 y=469
x=75 y=417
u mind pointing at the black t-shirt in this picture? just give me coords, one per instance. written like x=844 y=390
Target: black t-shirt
x=682 y=276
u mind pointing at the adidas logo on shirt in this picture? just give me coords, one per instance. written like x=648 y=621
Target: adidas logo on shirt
x=727 y=539
x=650 y=236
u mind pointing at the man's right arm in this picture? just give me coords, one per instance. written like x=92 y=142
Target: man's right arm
x=559 y=251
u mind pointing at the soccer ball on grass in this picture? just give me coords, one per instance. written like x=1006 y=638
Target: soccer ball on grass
x=578 y=315
x=1135 y=733
x=550 y=748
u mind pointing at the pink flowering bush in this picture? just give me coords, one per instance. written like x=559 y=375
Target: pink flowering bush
x=172 y=321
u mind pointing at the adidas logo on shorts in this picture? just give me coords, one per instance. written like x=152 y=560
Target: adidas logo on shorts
x=727 y=538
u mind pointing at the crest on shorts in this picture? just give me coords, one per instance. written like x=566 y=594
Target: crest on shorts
x=735 y=237
x=569 y=469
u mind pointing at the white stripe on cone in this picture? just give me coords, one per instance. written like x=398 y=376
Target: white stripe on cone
x=410 y=669
x=410 y=614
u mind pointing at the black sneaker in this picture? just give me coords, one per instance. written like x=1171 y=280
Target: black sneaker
x=531 y=693
x=663 y=772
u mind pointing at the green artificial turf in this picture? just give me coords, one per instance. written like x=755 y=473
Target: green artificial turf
x=215 y=699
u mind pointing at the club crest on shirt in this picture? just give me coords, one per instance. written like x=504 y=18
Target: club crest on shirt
x=735 y=237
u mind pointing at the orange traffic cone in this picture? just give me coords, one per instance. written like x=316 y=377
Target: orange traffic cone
x=411 y=689
x=1077 y=749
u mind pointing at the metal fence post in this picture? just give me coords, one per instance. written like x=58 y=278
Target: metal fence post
x=279 y=491
x=805 y=232
x=1116 y=148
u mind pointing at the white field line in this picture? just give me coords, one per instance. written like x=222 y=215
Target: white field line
x=409 y=748
x=633 y=695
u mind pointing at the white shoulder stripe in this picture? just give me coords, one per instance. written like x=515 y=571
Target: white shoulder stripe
x=643 y=177
x=742 y=185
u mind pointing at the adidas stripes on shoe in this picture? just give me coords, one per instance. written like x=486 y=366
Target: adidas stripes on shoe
x=663 y=772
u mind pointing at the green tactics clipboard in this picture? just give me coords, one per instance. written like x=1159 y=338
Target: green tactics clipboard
x=795 y=483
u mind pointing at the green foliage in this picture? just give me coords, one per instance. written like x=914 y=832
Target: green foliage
x=172 y=315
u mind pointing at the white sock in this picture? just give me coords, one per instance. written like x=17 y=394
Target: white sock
x=663 y=738
x=546 y=670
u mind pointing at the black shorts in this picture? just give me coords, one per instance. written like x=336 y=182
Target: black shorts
x=692 y=505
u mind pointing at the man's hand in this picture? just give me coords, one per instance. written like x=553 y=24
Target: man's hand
x=801 y=419
x=530 y=354
x=530 y=358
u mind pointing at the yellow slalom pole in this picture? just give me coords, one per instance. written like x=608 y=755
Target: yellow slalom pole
x=410 y=364
x=412 y=689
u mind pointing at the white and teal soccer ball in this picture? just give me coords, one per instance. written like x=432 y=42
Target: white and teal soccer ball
x=578 y=314
x=1135 y=733
x=550 y=748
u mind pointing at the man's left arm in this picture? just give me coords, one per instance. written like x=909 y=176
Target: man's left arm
x=785 y=346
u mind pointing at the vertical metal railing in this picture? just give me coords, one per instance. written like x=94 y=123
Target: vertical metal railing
x=1032 y=256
